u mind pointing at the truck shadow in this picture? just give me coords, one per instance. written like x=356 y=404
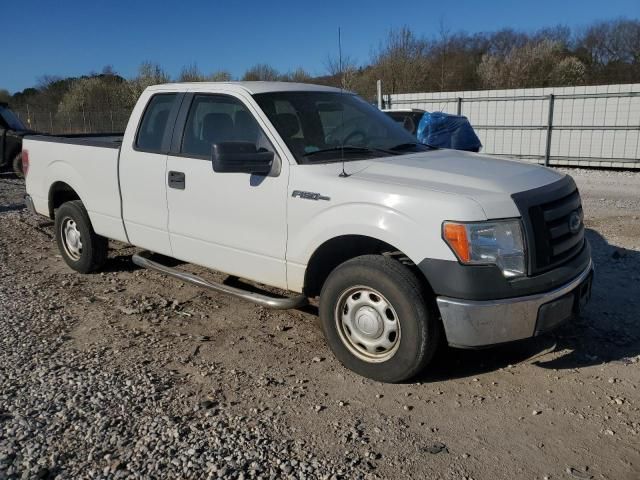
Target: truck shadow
x=608 y=331
x=12 y=207
x=122 y=262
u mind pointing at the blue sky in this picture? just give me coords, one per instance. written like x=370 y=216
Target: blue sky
x=76 y=37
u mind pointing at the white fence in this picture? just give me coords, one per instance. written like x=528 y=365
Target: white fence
x=579 y=126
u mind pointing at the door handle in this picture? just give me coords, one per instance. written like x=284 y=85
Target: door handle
x=176 y=180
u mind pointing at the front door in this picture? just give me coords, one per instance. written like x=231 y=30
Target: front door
x=231 y=222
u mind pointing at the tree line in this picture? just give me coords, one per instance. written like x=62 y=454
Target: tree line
x=605 y=52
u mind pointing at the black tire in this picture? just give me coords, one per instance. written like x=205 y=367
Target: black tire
x=17 y=166
x=93 y=251
x=419 y=328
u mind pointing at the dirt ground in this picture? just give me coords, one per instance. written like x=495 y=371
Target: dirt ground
x=564 y=405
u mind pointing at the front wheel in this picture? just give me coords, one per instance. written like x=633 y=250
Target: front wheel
x=81 y=248
x=377 y=319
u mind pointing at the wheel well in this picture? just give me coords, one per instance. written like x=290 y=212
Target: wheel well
x=14 y=153
x=60 y=193
x=340 y=249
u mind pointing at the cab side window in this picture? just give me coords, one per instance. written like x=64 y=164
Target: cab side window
x=217 y=119
x=154 y=122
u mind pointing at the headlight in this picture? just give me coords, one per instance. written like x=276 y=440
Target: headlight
x=496 y=242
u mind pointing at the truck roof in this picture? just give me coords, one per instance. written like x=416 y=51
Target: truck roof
x=250 y=87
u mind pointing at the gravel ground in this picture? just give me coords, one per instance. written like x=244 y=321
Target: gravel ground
x=128 y=374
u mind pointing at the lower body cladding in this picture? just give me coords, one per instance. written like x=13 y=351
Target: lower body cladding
x=481 y=323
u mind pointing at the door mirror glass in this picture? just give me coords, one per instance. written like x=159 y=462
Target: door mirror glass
x=241 y=157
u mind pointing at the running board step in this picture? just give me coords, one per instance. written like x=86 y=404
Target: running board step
x=142 y=260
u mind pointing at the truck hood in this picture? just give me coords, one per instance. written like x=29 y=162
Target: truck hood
x=490 y=181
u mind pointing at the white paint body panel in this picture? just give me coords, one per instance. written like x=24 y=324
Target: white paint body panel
x=402 y=201
x=92 y=172
x=229 y=223
x=143 y=180
x=232 y=222
x=226 y=222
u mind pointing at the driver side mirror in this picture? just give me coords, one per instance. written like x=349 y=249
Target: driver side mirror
x=240 y=157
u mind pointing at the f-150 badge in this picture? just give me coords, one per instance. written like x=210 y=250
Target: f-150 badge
x=309 y=195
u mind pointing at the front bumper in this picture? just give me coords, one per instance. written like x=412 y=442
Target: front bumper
x=472 y=324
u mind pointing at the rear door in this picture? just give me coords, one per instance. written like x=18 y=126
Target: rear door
x=142 y=173
x=231 y=222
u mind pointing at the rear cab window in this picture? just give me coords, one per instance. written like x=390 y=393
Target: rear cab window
x=154 y=125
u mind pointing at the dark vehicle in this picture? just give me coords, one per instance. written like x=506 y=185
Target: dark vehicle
x=12 y=131
x=438 y=129
x=409 y=118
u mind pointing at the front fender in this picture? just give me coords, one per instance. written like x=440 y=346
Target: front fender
x=383 y=223
x=415 y=239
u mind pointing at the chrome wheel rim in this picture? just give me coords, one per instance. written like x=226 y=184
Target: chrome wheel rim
x=367 y=324
x=71 y=238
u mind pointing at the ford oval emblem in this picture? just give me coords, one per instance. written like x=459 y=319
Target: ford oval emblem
x=574 y=222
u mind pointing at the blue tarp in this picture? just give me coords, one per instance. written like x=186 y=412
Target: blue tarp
x=448 y=131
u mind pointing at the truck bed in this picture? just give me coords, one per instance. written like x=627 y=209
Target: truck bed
x=85 y=164
x=108 y=140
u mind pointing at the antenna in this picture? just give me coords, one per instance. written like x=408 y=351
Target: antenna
x=343 y=174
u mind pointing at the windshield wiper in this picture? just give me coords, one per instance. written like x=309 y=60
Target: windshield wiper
x=348 y=149
x=407 y=146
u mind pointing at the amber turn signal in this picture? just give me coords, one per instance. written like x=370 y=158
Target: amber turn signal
x=455 y=234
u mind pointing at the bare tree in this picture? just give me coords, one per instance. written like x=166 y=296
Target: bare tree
x=148 y=74
x=611 y=51
x=299 y=75
x=535 y=64
x=443 y=48
x=342 y=73
x=401 y=61
x=45 y=81
x=108 y=70
x=604 y=52
x=191 y=73
x=261 y=71
x=219 y=76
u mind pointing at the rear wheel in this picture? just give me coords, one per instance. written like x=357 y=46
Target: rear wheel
x=377 y=319
x=81 y=248
x=17 y=166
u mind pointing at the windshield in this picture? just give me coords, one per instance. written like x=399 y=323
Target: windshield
x=331 y=126
x=10 y=118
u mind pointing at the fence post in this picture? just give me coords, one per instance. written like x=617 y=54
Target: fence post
x=379 y=90
x=50 y=123
x=547 y=153
x=459 y=106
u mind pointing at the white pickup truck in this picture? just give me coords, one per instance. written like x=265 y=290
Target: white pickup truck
x=312 y=190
